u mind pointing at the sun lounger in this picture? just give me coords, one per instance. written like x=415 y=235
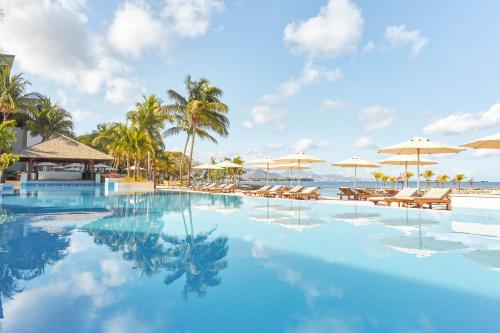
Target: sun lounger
x=434 y=196
x=308 y=193
x=347 y=192
x=217 y=188
x=363 y=194
x=293 y=190
x=204 y=187
x=273 y=191
x=228 y=189
x=400 y=197
x=257 y=192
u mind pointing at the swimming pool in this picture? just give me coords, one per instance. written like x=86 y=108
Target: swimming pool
x=74 y=260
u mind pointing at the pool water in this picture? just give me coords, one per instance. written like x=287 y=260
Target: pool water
x=75 y=260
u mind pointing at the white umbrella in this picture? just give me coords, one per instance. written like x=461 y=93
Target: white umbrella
x=299 y=158
x=102 y=166
x=489 y=142
x=420 y=146
x=356 y=162
x=74 y=165
x=228 y=164
x=267 y=162
x=407 y=160
x=133 y=168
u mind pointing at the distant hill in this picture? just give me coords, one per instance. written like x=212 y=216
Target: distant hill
x=334 y=177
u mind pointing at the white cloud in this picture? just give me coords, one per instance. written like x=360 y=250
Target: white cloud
x=369 y=47
x=248 y=124
x=459 y=123
x=81 y=115
x=334 y=104
x=336 y=30
x=118 y=90
x=53 y=40
x=364 y=143
x=306 y=144
x=303 y=145
x=310 y=75
x=376 y=117
x=191 y=18
x=134 y=29
x=398 y=36
x=264 y=114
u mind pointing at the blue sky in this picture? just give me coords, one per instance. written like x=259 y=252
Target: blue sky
x=335 y=78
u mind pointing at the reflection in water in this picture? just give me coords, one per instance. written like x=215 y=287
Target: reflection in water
x=289 y=216
x=489 y=258
x=199 y=257
x=357 y=218
x=422 y=246
x=406 y=224
x=24 y=254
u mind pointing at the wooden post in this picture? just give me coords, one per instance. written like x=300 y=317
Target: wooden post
x=91 y=169
x=30 y=168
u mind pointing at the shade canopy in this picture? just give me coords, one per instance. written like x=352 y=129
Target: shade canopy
x=420 y=146
x=207 y=167
x=356 y=162
x=406 y=160
x=489 y=142
x=228 y=164
x=298 y=158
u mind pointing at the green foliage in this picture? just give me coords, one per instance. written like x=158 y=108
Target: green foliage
x=458 y=179
x=13 y=93
x=47 y=118
x=7 y=135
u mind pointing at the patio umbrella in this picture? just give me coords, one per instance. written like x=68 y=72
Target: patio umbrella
x=267 y=162
x=299 y=158
x=133 y=168
x=489 y=142
x=356 y=162
x=228 y=165
x=407 y=160
x=420 y=146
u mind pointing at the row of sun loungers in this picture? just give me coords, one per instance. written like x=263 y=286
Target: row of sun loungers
x=214 y=188
x=406 y=197
x=279 y=191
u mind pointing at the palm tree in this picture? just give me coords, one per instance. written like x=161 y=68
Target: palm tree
x=428 y=174
x=442 y=179
x=385 y=178
x=6 y=161
x=13 y=95
x=148 y=118
x=377 y=175
x=407 y=175
x=47 y=118
x=459 y=178
x=197 y=114
x=7 y=135
x=392 y=180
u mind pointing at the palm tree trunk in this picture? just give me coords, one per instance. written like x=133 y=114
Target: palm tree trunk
x=190 y=159
x=128 y=166
x=149 y=165
x=182 y=157
x=136 y=168
x=154 y=173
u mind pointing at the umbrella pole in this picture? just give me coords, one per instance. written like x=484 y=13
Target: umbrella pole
x=355 y=176
x=418 y=171
x=406 y=173
x=298 y=175
x=267 y=181
x=291 y=177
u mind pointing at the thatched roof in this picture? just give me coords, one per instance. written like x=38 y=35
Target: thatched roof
x=62 y=148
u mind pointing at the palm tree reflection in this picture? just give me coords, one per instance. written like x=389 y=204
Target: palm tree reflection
x=25 y=253
x=140 y=237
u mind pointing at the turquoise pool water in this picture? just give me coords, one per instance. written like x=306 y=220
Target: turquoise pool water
x=74 y=260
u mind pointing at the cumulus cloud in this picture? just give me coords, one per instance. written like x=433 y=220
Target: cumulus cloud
x=364 y=142
x=369 y=47
x=336 y=30
x=134 y=29
x=459 y=123
x=376 y=117
x=303 y=144
x=191 y=18
x=311 y=74
x=248 y=124
x=306 y=144
x=398 y=36
x=334 y=104
x=52 y=39
x=264 y=114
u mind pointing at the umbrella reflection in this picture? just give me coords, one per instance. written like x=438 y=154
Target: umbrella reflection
x=357 y=218
x=406 y=224
x=489 y=258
